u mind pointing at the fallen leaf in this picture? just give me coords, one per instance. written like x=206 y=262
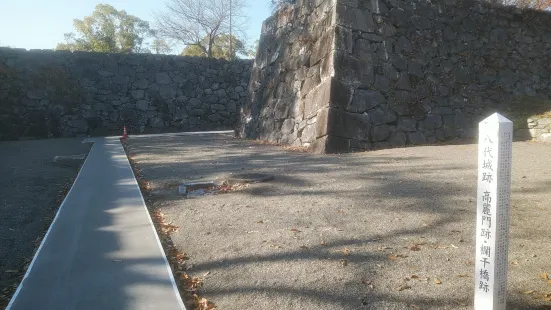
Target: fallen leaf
x=403 y=287
x=414 y=247
x=437 y=281
x=463 y=275
x=260 y=222
x=414 y=276
x=544 y=276
x=304 y=247
x=367 y=282
x=324 y=243
x=515 y=262
x=395 y=257
x=528 y=292
x=206 y=273
x=345 y=251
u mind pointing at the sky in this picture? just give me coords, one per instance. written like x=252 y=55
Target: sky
x=40 y=24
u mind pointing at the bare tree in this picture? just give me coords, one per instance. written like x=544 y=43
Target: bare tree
x=201 y=22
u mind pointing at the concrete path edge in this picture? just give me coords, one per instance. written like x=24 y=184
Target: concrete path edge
x=135 y=183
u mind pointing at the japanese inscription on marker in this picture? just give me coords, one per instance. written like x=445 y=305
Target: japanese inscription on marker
x=492 y=226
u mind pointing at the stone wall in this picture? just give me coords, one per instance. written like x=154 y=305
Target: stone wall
x=61 y=94
x=291 y=75
x=536 y=128
x=416 y=72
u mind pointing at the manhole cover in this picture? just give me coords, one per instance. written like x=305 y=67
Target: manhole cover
x=243 y=178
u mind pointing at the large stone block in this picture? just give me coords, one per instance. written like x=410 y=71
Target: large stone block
x=364 y=100
x=348 y=125
x=330 y=145
x=546 y=137
x=355 y=18
x=380 y=133
x=398 y=139
x=382 y=115
x=320 y=97
x=352 y=70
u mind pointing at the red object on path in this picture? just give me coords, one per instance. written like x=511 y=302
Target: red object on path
x=124 y=134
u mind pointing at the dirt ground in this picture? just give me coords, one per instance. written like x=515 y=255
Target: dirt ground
x=389 y=229
x=31 y=190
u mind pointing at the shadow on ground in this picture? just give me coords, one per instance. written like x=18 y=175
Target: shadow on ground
x=343 y=231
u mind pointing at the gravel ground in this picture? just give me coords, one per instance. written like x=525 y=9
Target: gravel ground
x=31 y=189
x=389 y=229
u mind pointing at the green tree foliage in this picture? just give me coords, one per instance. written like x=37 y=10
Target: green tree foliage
x=160 y=46
x=107 y=30
x=220 y=48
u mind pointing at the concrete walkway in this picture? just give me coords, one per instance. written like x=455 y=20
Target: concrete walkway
x=101 y=251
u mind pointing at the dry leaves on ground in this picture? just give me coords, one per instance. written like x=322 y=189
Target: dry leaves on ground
x=416 y=277
x=538 y=295
x=189 y=285
x=345 y=251
x=395 y=257
x=403 y=287
x=415 y=247
x=367 y=282
x=299 y=149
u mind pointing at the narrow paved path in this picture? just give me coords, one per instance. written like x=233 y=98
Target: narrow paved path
x=101 y=251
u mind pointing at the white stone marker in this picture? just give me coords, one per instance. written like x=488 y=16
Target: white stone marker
x=492 y=226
